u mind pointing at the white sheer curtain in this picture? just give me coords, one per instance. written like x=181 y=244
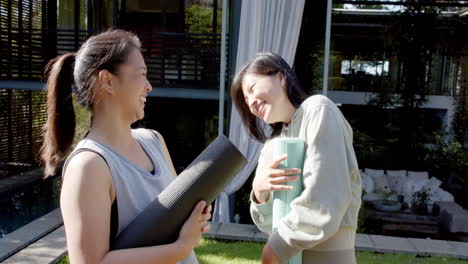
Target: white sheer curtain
x=265 y=25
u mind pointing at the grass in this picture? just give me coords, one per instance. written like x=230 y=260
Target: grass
x=211 y=251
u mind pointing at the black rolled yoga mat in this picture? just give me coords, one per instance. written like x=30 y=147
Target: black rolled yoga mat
x=207 y=176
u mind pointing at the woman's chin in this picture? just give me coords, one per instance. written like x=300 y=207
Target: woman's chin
x=267 y=120
x=139 y=116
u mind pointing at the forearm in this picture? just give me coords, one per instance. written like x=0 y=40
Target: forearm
x=170 y=253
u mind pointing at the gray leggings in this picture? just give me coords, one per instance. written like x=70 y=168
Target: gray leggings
x=329 y=257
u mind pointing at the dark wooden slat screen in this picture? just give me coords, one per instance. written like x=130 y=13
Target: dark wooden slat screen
x=22 y=115
x=28 y=40
x=173 y=59
x=22 y=57
x=21 y=39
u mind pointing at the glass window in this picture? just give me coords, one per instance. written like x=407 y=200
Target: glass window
x=375 y=68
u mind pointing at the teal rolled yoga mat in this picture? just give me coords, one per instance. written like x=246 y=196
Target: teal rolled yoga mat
x=295 y=149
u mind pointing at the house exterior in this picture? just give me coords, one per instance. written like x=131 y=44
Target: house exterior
x=182 y=46
x=180 y=42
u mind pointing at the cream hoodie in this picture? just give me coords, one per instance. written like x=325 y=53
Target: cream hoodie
x=324 y=217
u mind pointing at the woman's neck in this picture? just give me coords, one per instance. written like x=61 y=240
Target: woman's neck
x=111 y=130
x=288 y=112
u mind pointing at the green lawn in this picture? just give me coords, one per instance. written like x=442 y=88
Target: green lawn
x=226 y=252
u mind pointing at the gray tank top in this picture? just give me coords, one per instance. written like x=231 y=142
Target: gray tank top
x=134 y=187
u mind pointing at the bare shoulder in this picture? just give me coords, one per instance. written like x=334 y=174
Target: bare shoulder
x=86 y=202
x=87 y=172
x=160 y=137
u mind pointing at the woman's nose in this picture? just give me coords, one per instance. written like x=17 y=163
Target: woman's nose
x=250 y=100
x=148 y=86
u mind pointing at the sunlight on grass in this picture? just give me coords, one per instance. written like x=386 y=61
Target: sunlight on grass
x=217 y=251
x=211 y=251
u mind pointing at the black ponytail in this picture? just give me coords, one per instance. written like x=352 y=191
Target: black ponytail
x=59 y=129
x=105 y=51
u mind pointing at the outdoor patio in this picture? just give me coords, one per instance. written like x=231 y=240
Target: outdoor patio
x=407 y=105
x=43 y=242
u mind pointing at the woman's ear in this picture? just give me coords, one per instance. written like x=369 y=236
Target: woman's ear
x=105 y=81
x=282 y=79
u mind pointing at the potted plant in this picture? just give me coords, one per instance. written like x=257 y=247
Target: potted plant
x=420 y=201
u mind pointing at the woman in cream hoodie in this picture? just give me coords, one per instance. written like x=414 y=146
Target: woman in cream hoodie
x=323 y=219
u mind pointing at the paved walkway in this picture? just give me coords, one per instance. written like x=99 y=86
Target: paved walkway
x=26 y=245
x=29 y=234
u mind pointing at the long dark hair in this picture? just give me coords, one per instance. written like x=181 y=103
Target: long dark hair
x=267 y=64
x=78 y=73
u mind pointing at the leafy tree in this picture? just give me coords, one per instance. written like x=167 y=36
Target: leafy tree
x=199 y=19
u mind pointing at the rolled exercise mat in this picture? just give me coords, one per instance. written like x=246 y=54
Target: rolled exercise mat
x=294 y=147
x=160 y=222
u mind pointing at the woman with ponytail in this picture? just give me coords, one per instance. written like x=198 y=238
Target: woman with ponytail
x=115 y=171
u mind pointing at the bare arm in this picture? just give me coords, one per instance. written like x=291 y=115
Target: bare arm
x=86 y=200
x=166 y=151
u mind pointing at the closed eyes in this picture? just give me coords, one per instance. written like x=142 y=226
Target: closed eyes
x=251 y=88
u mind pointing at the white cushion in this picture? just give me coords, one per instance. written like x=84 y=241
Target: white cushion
x=441 y=195
x=381 y=184
x=396 y=173
x=396 y=183
x=418 y=175
x=374 y=173
x=419 y=184
x=368 y=184
x=432 y=184
x=396 y=179
x=407 y=191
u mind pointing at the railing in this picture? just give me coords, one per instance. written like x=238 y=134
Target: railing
x=182 y=60
x=173 y=59
x=22 y=54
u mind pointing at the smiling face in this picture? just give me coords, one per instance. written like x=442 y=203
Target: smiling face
x=265 y=96
x=132 y=86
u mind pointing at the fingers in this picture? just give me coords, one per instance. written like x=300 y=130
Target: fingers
x=280 y=187
x=278 y=161
x=198 y=210
x=207 y=209
x=200 y=206
x=205 y=217
x=282 y=172
x=206 y=228
x=282 y=179
x=201 y=212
